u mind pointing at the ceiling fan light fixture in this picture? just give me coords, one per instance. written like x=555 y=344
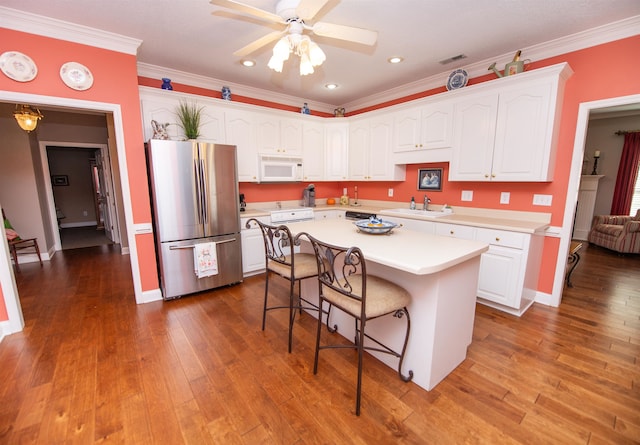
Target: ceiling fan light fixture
x=27 y=117
x=316 y=55
x=306 y=67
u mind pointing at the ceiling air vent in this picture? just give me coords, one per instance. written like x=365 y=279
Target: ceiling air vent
x=453 y=59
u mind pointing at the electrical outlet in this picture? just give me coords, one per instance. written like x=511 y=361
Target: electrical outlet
x=467 y=195
x=542 y=200
x=390 y=193
x=504 y=197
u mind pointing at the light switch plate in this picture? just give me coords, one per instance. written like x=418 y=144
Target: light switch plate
x=504 y=197
x=390 y=194
x=542 y=200
x=467 y=195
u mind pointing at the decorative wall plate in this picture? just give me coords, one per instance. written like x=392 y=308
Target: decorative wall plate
x=18 y=66
x=457 y=79
x=76 y=76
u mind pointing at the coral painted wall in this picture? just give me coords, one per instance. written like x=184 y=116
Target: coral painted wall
x=115 y=82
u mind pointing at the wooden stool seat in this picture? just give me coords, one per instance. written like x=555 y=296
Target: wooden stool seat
x=574 y=258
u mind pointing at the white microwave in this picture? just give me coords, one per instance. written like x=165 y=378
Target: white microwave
x=280 y=169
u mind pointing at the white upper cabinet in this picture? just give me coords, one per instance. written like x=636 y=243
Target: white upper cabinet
x=474 y=136
x=240 y=130
x=370 y=145
x=313 y=151
x=277 y=135
x=507 y=130
x=162 y=109
x=424 y=127
x=336 y=152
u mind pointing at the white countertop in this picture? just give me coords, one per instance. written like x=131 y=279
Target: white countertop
x=414 y=252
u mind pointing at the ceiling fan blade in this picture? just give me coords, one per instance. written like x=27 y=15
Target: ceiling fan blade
x=307 y=9
x=265 y=15
x=257 y=44
x=358 y=35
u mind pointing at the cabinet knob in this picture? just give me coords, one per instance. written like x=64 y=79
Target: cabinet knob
x=497 y=239
x=451 y=232
x=493 y=175
x=486 y=175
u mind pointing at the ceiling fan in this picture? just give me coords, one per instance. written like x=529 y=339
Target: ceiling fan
x=294 y=16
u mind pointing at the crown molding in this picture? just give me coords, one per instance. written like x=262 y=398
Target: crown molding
x=596 y=36
x=210 y=83
x=71 y=32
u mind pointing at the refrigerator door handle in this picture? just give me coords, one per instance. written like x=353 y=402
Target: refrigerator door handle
x=192 y=246
x=204 y=196
x=198 y=184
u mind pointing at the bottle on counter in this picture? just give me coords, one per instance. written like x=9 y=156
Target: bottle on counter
x=412 y=205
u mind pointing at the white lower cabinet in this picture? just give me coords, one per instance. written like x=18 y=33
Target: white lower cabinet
x=320 y=215
x=509 y=269
x=253 y=261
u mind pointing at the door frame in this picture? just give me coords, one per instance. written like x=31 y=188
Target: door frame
x=584 y=110
x=9 y=289
x=51 y=205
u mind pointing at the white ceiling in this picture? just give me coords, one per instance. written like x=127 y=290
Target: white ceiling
x=184 y=35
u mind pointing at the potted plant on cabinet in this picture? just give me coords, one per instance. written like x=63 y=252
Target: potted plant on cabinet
x=190 y=115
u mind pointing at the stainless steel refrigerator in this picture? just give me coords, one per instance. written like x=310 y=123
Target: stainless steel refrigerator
x=195 y=202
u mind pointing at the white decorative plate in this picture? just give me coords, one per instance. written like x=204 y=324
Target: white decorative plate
x=457 y=79
x=76 y=76
x=18 y=66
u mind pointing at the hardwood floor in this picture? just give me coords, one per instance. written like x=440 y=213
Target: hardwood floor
x=91 y=366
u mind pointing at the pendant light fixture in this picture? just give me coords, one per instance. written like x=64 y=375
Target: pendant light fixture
x=27 y=117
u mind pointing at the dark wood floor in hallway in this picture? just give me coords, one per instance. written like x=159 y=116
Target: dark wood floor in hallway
x=91 y=366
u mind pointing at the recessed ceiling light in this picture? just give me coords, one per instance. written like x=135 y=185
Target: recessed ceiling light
x=331 y=86
x=248 y=63
x=396 y=59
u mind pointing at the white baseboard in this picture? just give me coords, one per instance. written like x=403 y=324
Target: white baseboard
x=78 y=224
x=149 y=296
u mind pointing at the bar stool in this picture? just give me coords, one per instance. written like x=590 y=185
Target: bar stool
x=344 y=283
x=278 y=248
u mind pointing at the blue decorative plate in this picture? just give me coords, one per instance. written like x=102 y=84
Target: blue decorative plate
x=457 y=79
x=375 y=226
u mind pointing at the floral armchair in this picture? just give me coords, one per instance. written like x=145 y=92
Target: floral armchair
x=619 y=233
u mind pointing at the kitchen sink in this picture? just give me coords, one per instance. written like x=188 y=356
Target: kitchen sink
x=416 y=212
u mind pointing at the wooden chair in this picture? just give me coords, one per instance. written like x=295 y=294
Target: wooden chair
x=278 y=247
x=344 y=283
x=16 y=243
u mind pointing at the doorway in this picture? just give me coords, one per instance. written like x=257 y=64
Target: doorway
x=84 y=204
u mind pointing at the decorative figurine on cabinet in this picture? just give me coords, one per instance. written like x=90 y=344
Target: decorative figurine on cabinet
x=160 y=130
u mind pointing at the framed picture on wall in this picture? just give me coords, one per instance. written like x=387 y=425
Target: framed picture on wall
x=430 y=179
x=59 y=180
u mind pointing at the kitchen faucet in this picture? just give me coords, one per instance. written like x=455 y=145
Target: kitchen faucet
x=425 y=205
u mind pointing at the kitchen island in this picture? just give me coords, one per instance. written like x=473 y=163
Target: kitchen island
x=440 y=273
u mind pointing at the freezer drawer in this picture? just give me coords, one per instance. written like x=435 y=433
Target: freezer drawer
x=177 y=268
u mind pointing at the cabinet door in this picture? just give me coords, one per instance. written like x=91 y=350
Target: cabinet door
x=473 y=140
x=413 y=224
x=252 y=251
x=380 y=165
x=336 y=159
x=239 y=126
x=291 y=136
x=499 y=275
x=523 y=135
x=313 y=151
x=163 y=112
x=268 y=134
x=436 y=125
x=212 y=125
x=407 y=130
x=359 y=151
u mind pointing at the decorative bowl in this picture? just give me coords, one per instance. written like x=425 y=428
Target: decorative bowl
x=375 y=226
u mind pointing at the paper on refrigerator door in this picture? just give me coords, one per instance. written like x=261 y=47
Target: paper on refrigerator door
x=205 y=259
